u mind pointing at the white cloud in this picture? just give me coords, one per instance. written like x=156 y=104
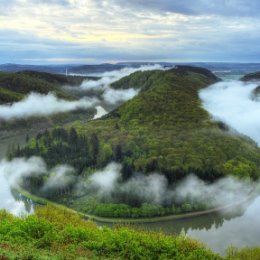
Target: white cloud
x=111 y=30
x=42 y=105
x=232 y=103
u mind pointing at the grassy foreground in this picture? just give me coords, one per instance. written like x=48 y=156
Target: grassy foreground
x=53 y=233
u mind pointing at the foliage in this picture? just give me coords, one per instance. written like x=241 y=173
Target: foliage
x=7 y=96
x=54 y=234
x=234 y=253
x=23 y=83
x=164 y=129
x=251 y=76
x=58 y=234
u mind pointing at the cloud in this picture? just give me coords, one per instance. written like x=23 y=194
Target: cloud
x=232 y=103
x=106 y=179
x=7 y=201
x=102 y=87
x=114 y=30
x=107 y=184
x=18 y=168
x=154 y=188
x=113 y=96
x=107 y=78
x=59 y=177
x=198 y=7
x=42 y=105
x=100 y=112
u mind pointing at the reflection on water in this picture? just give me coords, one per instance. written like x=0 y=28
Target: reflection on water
x=12 y=200
x=9 y=198
x=218 y=231
x=237 y=227
x=240 y=231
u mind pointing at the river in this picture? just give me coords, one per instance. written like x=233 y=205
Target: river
x=11 y=200
x=218 y=231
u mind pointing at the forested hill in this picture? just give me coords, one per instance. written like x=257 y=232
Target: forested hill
x=251 y=76
x=13 y=86
x=163 y=129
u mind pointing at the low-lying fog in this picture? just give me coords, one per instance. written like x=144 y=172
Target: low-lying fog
x=233 y=102
x=38 y=105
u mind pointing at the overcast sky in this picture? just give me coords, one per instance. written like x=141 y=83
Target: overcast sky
x=95 y=31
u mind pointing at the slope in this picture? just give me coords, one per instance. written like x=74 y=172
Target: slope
x=163 y=129
x=22 y=83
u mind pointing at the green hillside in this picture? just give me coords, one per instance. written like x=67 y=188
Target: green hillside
x=7 y=96
x=164 y=129
x=251 y=76
x=22 y=83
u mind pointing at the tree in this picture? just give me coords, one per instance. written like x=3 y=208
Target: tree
x=94 y=144
x=73 y=136
x=118 y=154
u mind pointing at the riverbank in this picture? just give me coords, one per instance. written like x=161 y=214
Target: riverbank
x=43 y=201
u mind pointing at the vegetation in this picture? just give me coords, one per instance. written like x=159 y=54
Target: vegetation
x=164 y=129
x=7 y=96
x=251 y=76
x=58 y=234
x=15 y=85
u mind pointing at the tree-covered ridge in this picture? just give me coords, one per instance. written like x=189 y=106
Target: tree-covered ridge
x=251 y=76
x=22 y=83
x=255 y=77
x=164 y=129
x=7 y=96
x=61 y=147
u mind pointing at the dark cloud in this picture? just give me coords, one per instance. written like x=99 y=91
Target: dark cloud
x=5 y=3
x=26 y=48
x=56 y=2
x=197 y=7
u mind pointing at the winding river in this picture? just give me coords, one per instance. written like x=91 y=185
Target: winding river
x=219 y=230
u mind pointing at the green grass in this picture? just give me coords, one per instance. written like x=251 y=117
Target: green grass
x=53 y=233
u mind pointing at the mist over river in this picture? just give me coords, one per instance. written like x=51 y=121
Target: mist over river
x=9 y=199
x=228 y=101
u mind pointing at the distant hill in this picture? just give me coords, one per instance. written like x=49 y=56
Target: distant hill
x=220 y=68
x=9 y=67
x=251 y=76
x=13 y=86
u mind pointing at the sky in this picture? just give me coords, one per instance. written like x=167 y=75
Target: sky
x=97 y=31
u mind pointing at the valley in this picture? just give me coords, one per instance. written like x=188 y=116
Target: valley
x=143 y=148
